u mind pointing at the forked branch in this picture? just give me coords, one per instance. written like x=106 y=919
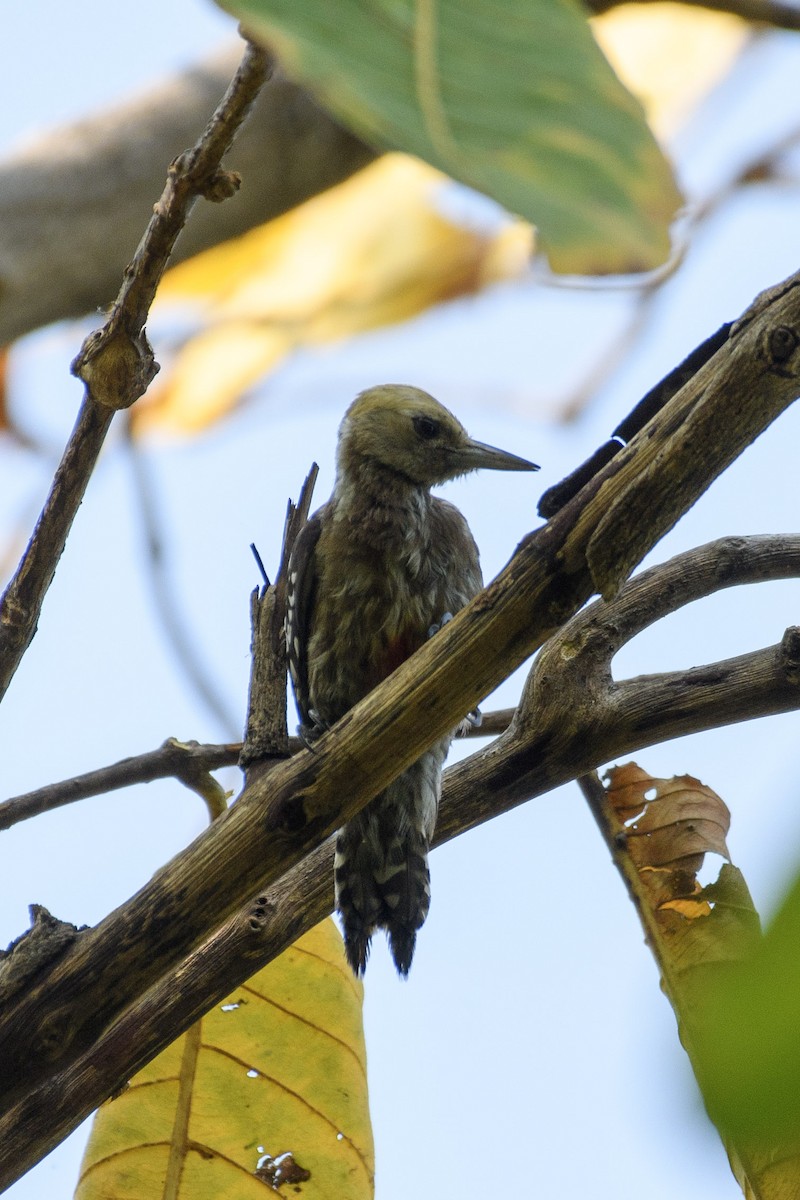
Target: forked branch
x=280 y=819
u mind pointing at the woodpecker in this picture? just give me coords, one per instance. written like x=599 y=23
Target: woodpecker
x=375 y=571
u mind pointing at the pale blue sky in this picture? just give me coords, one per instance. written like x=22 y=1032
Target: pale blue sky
x=531 y=1051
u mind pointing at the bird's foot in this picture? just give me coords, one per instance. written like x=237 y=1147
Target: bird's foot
x=312 y=730
x=445 y=620
x=473 y=720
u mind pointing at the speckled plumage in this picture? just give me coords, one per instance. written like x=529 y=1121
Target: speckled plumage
x=372 y=571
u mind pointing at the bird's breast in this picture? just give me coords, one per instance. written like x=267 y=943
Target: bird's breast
x=364 y=629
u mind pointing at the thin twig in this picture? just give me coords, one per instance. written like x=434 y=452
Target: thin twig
x=86 y=184
x=761 y=168
x=116 y=363
x=178 y=760
x=768 y=12
x=266 y=734
x=171 y=612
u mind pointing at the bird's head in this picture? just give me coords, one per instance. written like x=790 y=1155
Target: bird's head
x=404 y=430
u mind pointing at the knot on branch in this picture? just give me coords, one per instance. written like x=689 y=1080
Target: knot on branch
x=790 y=653
x=55 y=1033
x=221 y=186
x=777 y=345
x=290 y=815
x=258 y=914
x=116 y=367
x=783 y=342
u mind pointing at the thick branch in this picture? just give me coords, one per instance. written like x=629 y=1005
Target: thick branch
x=73 y=202
x=573 y=716
x=474 y=791
x=116 y=363
x=281 y=818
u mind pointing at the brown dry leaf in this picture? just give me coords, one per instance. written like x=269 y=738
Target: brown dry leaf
x=670 y=55
x=667 y=826
x=372 y=251
x=669 y=822
x=702 y=938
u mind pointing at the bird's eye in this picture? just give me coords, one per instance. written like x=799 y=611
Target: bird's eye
x=426 y=427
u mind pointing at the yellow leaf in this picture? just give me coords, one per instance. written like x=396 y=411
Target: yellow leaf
x=266 y=1095
x=669 y=55
x=375 y=250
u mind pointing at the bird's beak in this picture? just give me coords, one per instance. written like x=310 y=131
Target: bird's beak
x=477 y=456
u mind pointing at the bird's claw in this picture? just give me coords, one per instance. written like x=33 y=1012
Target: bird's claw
x=473 y=720
x=445 y=620
x=312 y=731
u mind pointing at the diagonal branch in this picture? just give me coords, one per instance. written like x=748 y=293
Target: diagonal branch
x=573 y=716
x=184 y=761
x=116 y=362
x=577 y=659
x=72 y=201
x=592 y=542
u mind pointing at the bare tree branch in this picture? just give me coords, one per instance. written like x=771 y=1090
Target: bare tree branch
x=171 y=613
x=575 y=662
x=116 y=362
x=573 y=716
x=183 y=761
x=283 y=817
x=763 y=167
x=769 y=12
x=266 y=735
x=73 y=202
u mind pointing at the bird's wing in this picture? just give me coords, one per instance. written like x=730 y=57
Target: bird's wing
x=463 y=574
x=300 y=599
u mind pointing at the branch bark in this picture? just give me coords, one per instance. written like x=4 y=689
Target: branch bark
x=283 y=817
x=184 y=761
x=768 y=12
x=573 y=665
x=73 y=202
x=116 y=362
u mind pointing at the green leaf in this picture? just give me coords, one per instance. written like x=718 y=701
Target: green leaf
x=513 y=98
x=751 y=1048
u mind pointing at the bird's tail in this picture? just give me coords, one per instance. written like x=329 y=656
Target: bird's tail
x=381 y=865
x=391 y=891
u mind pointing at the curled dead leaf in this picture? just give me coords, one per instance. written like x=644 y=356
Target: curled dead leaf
x=667 y=826
x=669 y=822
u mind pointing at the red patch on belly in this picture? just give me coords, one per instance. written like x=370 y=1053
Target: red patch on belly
x=395 y=652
